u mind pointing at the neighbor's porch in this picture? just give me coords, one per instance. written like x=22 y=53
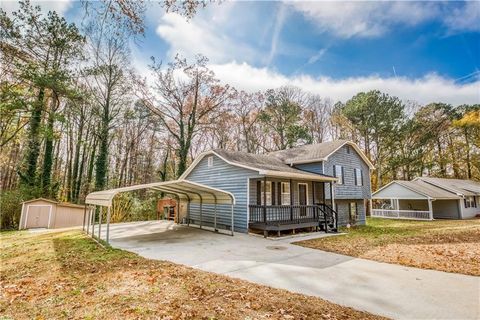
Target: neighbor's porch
x=414 y=209
x=277 y=204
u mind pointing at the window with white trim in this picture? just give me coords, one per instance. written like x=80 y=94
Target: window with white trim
x=358 y=177
x=338 y=173
x=470 y=202
x=268 y=196
x=210 y=161
x=285 y=194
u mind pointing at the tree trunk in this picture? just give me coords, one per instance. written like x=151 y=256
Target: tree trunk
x=48 y=157
x=28 y=175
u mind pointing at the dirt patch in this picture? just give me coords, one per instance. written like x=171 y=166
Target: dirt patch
x=449 y=246
x=66 y=275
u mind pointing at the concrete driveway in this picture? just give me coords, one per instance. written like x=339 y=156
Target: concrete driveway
x=380 y=288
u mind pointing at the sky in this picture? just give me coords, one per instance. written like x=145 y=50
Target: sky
x=419 y=51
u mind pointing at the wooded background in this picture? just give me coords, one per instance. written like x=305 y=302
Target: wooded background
x=76 y=117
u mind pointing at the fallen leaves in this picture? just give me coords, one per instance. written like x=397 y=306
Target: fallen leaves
x=451 y=246
x=68 y=276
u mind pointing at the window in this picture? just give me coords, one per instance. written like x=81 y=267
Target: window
x=210 y=161
x=268 y=195
x=353 y=212
x=358 y=177
x=348 y=149
x=285 y=197
x=338 y=173
x=470 y=202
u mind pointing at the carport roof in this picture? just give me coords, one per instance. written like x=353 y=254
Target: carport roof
x=184 y=189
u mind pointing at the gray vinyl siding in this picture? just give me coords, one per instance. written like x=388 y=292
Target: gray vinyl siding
x=225 y=177
x=343 y=211
x=446 y=209
x=349 y=162
x=315 y=167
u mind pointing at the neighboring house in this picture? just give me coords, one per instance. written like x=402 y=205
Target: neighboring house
x=428 y=198
x=288 y=189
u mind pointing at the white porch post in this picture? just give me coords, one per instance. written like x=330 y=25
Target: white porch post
x=332 y=193
x=430 y=209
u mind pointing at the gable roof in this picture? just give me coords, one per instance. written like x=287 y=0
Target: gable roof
x=317 y=152
x=40 y=199
x=263 y=164
x=457 y=186
x=421 y=188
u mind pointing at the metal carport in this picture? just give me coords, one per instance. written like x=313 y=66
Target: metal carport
x=183 y=189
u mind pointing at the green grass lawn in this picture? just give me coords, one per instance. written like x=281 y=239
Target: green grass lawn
x=445 y=245
x=66 y=275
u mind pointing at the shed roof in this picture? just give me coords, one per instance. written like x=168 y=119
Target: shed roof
x=419 y=187
x=40 y=199
x=458 y=186
x=184 y=189
x=58 y=203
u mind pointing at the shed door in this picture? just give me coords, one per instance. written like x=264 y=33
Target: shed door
x=37 y=216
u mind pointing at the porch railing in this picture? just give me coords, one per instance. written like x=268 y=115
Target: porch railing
x=286 y=214
x=259 y=213
x=401 y=214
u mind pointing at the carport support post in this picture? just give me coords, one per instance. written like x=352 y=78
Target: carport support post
x=430 y=209
x=93 y=220
x=232 y=220
x=108 y=223
x=84 y=216
x=89 y=220
x=188 y=212
x=100 y=223
x=201 y=211
x=215 y=217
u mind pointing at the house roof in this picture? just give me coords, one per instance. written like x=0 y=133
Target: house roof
x=435 y=188
x=264 y=164
x=428 y=190
x=316 y=152
x=458 y=186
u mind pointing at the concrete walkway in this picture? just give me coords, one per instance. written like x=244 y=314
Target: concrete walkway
x=385 y=289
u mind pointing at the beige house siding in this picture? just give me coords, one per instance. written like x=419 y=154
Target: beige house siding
x=43 y=213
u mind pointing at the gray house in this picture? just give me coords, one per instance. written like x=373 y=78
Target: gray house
x=322 y=185
x=427 y=199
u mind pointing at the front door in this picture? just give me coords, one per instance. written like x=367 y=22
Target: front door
x=302 y=198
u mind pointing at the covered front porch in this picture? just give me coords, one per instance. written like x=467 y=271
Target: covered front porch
x=282 y=203
x=415 y=209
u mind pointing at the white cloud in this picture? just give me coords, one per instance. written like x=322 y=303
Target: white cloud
x=197 y=36
x=466 y=17
x=364 y=19
x=60 y=6
x=376 y=18
x=431 y=88
x=317 y=56
x=277 y=28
